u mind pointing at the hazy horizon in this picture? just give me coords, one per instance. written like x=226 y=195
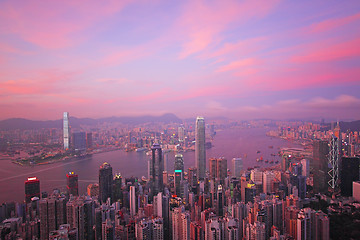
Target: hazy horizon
x=238 y=59
x=207 y=118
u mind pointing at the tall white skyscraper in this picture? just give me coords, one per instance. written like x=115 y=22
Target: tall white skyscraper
x=66 y=130
x=200 y=153
x=181 y=133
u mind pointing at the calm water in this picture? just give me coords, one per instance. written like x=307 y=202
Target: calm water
x=228 y=143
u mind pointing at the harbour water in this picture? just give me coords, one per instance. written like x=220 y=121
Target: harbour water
x=228 y=143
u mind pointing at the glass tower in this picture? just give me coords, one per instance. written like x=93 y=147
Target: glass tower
x=66 y=130
x=156 y=169
x=200 y=154
x=105 y=182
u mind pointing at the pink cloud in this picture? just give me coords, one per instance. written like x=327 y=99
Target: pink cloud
x=113 y=80
x=214 y=90
x=123 y=55
x=300 y=79
x=41 y=82
x=202 y=22
x=236 y=65
x=151 y=96
x=331 y=24
x=243 y=47
x=322 y=51
x=53 y=24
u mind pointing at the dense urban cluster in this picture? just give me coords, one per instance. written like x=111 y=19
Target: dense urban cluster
x=309 y=195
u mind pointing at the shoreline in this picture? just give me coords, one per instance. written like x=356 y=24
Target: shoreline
x=29 y=164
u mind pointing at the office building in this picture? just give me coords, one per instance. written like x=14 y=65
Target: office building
x=305 y=163
x=72 y=183
x=200 y=151
x=93 y=190
x=237 y=165
x=320 y=165
x=268 y=178
x=218 y=169
x=79 y=141
x=117 y=191
x=32 y=188
x=156 y=169
x=181 y=134
x=333 y=162
x=220 y=201
x=132 y=201
x=256 y=175
x=356 y=190
x=66 y=132
x=105 y=182
x=89 y=141
x=179 y=162
x=349 y=174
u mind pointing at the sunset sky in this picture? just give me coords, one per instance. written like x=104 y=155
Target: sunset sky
x=239 y=59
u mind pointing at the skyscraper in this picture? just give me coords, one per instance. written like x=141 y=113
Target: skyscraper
x=179 y=163
x=79 y=141
x=349 y=174
x=237 y=165
x=320 y=165
x=89 y=141
x=105 y=182
x=32 y=188
x=156 y=169
x=72 y=183
x=179 y=173
x=132 y=201
x=200 y=152
x=117 y=191
x=220 y=201
x=66 y=130
x=181 y=134
x=218 y=168
x=334 y=159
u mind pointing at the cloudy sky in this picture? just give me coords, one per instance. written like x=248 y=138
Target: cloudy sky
x=239 y=59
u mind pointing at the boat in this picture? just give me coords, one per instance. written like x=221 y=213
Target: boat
x=266 y=161
x=277 y=161
x=271 y=146
x=258 y=151
x=271 y=162
x=141 y=149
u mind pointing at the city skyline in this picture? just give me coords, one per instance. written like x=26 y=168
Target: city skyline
x=239 y=59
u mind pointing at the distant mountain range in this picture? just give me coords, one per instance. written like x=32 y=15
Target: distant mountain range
x=26 y=124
